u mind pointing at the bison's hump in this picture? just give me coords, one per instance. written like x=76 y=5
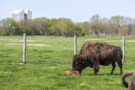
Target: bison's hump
x=94 y=46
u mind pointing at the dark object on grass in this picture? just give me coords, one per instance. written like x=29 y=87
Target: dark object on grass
x=131 y=84
x=96 y=53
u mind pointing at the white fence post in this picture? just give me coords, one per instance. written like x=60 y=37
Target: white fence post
x=123 y=48
x=75 y=45
x=24 y=48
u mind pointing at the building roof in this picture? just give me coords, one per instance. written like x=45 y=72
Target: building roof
x=17 y=11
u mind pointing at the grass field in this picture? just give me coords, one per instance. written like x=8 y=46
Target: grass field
x=48 y=57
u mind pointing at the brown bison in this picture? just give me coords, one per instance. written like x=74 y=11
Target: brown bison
x=131 y=84
x=96 y=53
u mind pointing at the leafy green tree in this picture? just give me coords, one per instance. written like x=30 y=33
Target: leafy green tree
x=96 y=24
x=10 y=27
x=15 y=28
x=84 y=26
x=118 y=22
x=116 y=25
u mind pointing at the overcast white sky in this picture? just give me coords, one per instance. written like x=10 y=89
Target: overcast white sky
x=76 y=10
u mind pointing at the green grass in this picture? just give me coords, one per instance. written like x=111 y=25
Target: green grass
x=42 y=71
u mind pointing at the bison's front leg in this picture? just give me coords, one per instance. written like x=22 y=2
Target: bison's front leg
x=113 y=67
x=96 y=67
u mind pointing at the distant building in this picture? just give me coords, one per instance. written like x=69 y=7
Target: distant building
x=19 y=15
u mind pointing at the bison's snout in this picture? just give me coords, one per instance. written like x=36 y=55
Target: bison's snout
x=73 y=69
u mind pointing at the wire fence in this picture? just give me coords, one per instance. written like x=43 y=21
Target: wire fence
x=43 y=49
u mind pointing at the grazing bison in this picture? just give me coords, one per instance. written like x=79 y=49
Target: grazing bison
x=131 y=84
x=96 y=53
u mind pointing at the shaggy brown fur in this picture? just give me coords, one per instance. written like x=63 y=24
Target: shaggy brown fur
x=71 y=72
x=131 y=84
x=96 y=53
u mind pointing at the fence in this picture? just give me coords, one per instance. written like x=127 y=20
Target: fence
x=50 y=50
x=75 y=47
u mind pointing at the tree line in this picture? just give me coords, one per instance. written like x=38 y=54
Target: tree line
x=116 y=25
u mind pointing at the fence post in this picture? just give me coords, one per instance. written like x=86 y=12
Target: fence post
x=75 y=45
x=24 y=48
x=123 y=48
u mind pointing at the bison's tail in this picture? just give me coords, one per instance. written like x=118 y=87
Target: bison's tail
x=123 y=78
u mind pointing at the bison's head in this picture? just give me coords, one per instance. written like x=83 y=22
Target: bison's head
x=78 y=63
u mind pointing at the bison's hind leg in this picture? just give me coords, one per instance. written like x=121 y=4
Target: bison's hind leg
x=113 y=67
x=120 y=66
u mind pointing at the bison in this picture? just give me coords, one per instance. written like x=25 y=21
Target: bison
x=96 y=53
x=131 y=84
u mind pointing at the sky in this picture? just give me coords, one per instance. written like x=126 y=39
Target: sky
x=76 y=10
